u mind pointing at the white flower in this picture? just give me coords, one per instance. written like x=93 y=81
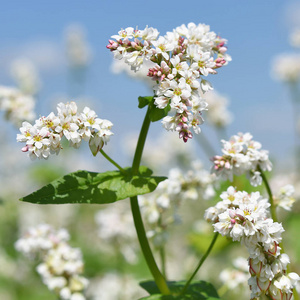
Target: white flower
x=61 y=264
x=26 y=76
x=77 y=49
x=243 y=217
x=18 y=107
x=286 y=67
x=45 y=135
x=181 y=57
x=242 y=155
x=217 y=113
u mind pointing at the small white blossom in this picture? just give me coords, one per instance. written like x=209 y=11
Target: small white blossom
x=77 y=49
x=181 y=58
x=26 y=76
x=242 y=155
x=244 y=218
x=61 y=265
x=44 y=137
x=17 y=106
x=286 y=67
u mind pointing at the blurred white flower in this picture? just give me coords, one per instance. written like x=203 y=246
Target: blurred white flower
x=113 y=286
x=17 y=106
x=161 y=207
x=286 y=67
x=237 y=276
x=295 y=38
x=61 y=266
x=77 y=49
x=217 y=113
x=285 y=197
x=26 y=76
x=116 y=230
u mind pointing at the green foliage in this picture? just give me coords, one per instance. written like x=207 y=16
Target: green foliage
x=156 y=114
x=91 y=187
x=199 y=290
x=45 y=173
x=144 y=101
x=201 y=241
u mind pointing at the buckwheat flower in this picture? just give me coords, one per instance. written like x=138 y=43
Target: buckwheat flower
x=26 y=76
x=116 y=231
x=77 y=49
x=44 y=137
x=181 y=57
x=237 y=276
x=295 y=38
x=285 y=197
x=41 y=238
x=37 y=142
x=163 y=46
x=111 y=286
x=286 y=67
x=242 y=155
x=217 y=113
x=160 y=208
x=61 y=265
x=244 y=218
x=17 y=106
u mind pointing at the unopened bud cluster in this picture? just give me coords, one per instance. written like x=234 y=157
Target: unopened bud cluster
x=181 y=58
x=61 y=266
x=244 y=218
x=242 y=155
x=44 y=137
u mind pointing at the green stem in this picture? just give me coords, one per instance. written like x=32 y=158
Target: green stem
x=163 y=260
x=138 y=222
x=271 y=199
x=203 y=258
x=113 y=162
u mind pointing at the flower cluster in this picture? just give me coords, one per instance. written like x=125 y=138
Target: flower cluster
x=242 y=155
x=181 y=57
x=237 y=276
x=284 y=198
x=44 y=137
x=286 y=67
x=17 y=106
x=244 y=218
x=160 y=208
x=61 y=264
x=116 y=231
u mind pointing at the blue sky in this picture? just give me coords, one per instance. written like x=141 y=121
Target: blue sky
x=256 y=32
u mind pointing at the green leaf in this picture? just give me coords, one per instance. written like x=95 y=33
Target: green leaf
x=199 y=290
x=144 y=101
x=157 y=114
x=91 y=187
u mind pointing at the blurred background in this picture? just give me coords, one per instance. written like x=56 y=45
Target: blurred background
x=56 y=52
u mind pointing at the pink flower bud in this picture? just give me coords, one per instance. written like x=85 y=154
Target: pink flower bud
x=222 y=50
